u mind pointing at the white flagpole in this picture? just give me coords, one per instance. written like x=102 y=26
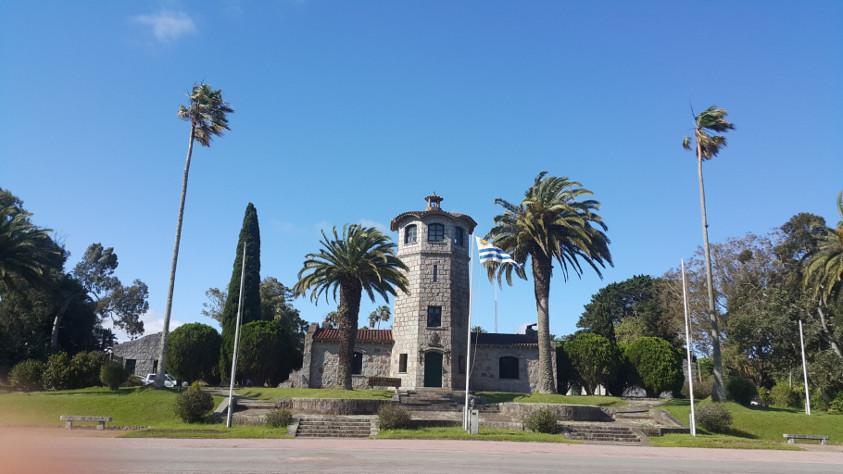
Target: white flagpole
x=804 y=371
x=688 y=349
x=496 y=305
x=236 y=341
x=468 y=343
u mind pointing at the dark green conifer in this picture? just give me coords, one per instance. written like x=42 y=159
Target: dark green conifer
x=250 y=235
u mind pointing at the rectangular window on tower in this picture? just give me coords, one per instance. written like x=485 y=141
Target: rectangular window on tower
x=435 y=272
x=402 y=363
x=434 y=316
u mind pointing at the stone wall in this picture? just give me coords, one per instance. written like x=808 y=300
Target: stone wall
x=324 y=359
x=144 y=352
x=485 y=374
x=331 y=406
x=518 y=411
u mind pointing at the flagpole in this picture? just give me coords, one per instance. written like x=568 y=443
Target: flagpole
x=496 y=305
x=236 y=341
x=805 y=371
x=688 y=349
x=468 y=342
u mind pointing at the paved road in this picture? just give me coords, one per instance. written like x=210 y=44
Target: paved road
x=98 y=454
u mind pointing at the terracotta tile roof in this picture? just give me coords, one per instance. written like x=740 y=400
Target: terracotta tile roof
x=374 y=336
x=503 y=339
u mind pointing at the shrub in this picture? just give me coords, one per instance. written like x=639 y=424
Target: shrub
x=594 y=357
x=113 y=375
x=193 y=351
x=264 y=353
x=28 y=375
x=193 y=405
x=57 y=374
x=702 y=389
x=566 y=375
x=392 y=417
x=741 y=390
x=279 y=418
x=85 y=369
x=836 y=405
x=657 y=364
x=783 y=395
x=542 y=420
x=714 y=417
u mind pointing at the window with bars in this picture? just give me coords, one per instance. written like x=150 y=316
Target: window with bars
x=435 y=233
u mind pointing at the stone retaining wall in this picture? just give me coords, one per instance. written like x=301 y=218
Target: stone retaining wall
x=331 y=406
x=518 y=411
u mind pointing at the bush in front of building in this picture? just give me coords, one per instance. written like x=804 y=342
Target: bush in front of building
x=193 y=351
x=741 y=390
x=193 y=405
x=714 y=417
x=279 y=418
x=594 y=357
x=543 y=420
x=85 y=369
x=263 y=353
x=656 y=364
x=58 y=374
x=28 y=375
x=113 y=375
x=393 y=417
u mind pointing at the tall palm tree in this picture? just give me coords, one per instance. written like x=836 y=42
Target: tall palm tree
x=361 y=258
x=707 y=124
x=207 y=114
x=824 y=269
x=552 y=222
x=26 y=251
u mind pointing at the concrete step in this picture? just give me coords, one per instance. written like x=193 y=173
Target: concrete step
x=334 y=427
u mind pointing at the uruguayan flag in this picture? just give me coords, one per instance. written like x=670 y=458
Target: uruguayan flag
x=490 y=253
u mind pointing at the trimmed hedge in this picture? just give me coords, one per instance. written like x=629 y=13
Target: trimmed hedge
x=714 y=417
x=393 y=417
x=113 y=375
x=741 y=390
x=193 y=405
x=279 y=418
x=28 y=375
x=657 y=364
x=542 y=421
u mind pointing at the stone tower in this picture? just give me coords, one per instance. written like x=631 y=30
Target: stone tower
x=429 y=325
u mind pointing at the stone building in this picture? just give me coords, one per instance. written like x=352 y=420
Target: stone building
x=140 y=357
x=426 y=346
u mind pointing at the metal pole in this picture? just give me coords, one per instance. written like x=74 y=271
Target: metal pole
x=468 y=343
x=688 y=349
x=496 y=305
x=805 y=372
x=236 y=341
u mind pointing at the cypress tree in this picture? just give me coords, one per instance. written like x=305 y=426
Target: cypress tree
x=249 y=234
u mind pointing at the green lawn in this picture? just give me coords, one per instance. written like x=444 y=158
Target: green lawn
x=761 y=424
x=500 y=397
x=488 y=434
x=137 y=406
x=717 y=441
x=264 y=393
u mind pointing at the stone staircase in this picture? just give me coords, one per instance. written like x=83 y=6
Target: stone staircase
x=440 y=400
x=604 y=432
x=334 y=427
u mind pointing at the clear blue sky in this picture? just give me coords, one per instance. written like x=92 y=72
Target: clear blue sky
x=353 y=111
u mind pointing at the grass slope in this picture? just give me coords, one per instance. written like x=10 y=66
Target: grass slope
x=488 y=434
x=500 y=397
x=764 y=424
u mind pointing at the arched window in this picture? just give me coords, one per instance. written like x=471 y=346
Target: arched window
x=435 y=233
x=459 y=237
x=410 y=234
x=508 y=367
x=357 y=363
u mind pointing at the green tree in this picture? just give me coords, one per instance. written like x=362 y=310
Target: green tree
x=194 y=351
x=594 y=357
x=361 y=258
x=637 y=297
x=207 y=113
x=276 y=305
x=26 y=251
x=331 y=320
x=215 y=304
x=823 y=275
x=657 y=364
x=707 y=125
x=123 y=305
x=265 y=354
x=379 y=315
x=251 y=309
x=552 y=222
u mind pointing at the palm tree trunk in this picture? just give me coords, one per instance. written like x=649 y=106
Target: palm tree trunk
x=718 y=390
x=827 y=333
x=347 y=314
x=159 y=379
x=542 y=269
